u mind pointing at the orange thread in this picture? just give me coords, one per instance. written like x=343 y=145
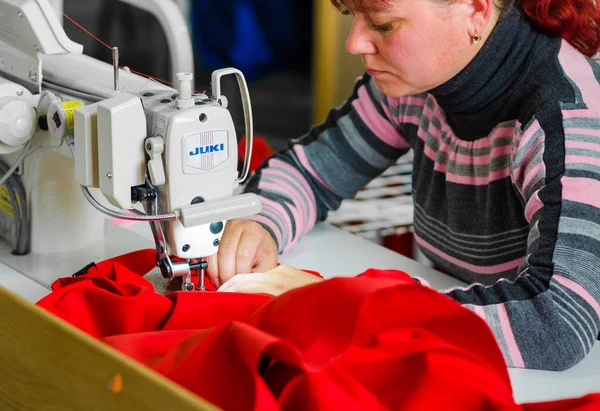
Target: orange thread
x=151 y=77
x=82 y=28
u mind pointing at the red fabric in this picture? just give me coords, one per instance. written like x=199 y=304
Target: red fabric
x=345 y=343
x=260 y=151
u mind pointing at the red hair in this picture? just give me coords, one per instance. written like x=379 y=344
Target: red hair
x=361 y=6
x=577 y=21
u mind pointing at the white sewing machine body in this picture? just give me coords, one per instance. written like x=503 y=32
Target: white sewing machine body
x=205 y=153
x=134 y=140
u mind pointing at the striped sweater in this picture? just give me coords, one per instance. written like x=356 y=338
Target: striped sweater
x=506 y=185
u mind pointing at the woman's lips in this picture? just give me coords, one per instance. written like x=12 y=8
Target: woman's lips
x=375 y=73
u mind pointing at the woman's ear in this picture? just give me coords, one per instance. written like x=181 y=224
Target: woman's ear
x=479 y=15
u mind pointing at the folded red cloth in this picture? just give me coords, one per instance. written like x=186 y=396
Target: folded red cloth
x=377 y=341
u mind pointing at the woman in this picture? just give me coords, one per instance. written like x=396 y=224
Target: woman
x=503 y=116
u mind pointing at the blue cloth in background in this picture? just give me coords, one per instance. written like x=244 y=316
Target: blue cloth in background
x=250 y=49
x=255 y=36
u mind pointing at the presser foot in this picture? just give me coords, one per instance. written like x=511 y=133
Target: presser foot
x=187 y=284
x=186 y=280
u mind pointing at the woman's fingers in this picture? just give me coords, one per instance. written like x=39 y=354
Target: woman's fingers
x=245 y=247
x=274 y=282
x=243 y=283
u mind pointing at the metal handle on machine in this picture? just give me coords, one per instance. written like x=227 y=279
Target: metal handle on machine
x=223 y=209
x=216 y=92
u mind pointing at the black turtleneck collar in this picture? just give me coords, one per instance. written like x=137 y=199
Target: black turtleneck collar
x=475 y=100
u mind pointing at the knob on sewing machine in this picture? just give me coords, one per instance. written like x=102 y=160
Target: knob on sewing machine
x=176 y=154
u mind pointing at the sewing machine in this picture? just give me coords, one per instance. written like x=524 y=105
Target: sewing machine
x=90 y=139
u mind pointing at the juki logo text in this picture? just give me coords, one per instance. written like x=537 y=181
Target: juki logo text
x=214 y=148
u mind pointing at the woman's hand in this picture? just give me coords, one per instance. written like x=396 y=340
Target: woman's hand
x=274 y=282
x=245 y=247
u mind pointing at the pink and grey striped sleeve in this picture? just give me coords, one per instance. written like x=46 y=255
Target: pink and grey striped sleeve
x=298 y=186
x=549 y=316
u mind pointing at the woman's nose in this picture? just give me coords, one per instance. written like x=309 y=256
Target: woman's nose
x=359 y=39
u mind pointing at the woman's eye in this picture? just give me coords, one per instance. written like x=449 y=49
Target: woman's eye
x=384 y=28
x=346 y=12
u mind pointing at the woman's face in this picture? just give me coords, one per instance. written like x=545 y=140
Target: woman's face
x=414 y=45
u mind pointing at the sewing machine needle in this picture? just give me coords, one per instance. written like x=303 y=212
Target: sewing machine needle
x=201 y=274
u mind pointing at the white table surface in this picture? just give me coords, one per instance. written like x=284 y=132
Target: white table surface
x=328 y=250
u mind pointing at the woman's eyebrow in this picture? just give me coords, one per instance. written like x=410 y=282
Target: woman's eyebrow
x=383 y=18
x=385 y=14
